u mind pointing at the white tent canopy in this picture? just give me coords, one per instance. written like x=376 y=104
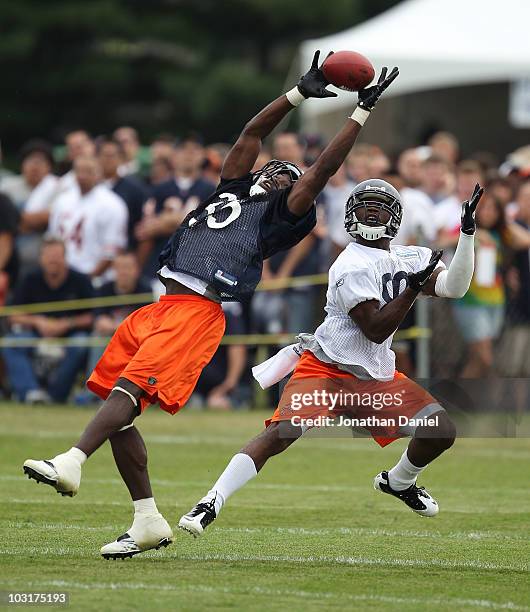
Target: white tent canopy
x=435 y=43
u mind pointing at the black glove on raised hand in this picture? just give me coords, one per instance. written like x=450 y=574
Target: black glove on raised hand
x=416 y=280
x=313 y=84
x=469 y=208
x=369 y=96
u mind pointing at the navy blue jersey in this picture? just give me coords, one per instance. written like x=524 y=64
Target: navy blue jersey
x=169 y=195
x=225 y=240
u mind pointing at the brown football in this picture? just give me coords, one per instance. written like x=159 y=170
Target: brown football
x=348 y=70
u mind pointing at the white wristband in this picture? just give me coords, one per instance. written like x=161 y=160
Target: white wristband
x=360 y=115
x=294 y=96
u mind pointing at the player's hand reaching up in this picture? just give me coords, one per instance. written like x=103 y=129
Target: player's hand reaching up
x=469 y=208
x=417 y=280
x=313 y=83
x=369 y=96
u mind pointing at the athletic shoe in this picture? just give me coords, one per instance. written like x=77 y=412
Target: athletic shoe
x=63 y=473
x=198 y=518
x=416 y=498
x=147 y=533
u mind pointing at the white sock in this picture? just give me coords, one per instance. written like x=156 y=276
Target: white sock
x=145 y=506
x=403 y=474
x=77 y=454
x=237 y=473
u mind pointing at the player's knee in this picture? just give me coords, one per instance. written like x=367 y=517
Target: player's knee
x=442 y=434
x=280 y=435
x=445 y=431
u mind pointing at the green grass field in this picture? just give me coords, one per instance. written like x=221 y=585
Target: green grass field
x=309 y=533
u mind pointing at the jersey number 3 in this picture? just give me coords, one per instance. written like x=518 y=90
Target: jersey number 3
x=226 y=200
x=396 y=284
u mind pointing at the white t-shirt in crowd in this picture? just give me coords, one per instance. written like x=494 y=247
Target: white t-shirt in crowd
x=363 y=273
x=93 y=226
x=417 y=224
x=447 y=214
x=335 y=199
x=42 y=197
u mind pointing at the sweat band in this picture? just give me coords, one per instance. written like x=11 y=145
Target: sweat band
x=454 y=282
x=360 y=115
x=294 y=96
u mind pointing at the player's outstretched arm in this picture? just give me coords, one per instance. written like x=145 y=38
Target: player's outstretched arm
x=242 y=157
x=314 y=180
x=454 y=282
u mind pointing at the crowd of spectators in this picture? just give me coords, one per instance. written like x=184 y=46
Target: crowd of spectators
x=89 y=217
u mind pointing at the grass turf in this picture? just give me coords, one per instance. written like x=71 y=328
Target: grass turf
x=309 y=533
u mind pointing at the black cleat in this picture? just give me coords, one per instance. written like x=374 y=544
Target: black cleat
x=198 y=518
x=416 y=498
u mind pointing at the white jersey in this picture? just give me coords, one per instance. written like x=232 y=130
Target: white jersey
x=362 y=273
x=93 y=226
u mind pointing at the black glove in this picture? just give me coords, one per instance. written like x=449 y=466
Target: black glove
x=416 y=280
x=313 y=84
x=369 y=96
x=469 y=208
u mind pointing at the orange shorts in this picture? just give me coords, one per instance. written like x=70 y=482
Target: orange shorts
x=162 y=348
x=385 y=402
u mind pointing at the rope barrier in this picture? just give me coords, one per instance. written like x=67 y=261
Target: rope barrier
x=413 y=333
x=143 y=298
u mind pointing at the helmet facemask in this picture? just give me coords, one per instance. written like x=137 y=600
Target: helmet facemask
x=370 y=198
x=270 y=172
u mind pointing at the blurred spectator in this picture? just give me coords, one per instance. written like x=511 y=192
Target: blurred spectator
x=213 y=163
x=127 y=281
x=9 y=218
x=130 y=189
x=480 y=313
x=501 y=190
x=53 y=281
x=521 y=202
x=448 y=212
x=336 y=194
x=445 y=145
x=137 y=159
x=437 y=180
x=37 y=155
x=171 y=202
x=514 y=355
x=161 y=151
x=379 y=163
x=288 y=146
x=417 y=225
x=161 y=170
x=314 y=146
x=358 y=162
x=295 y=304
x=36 y=165
x=91 y=220
x=218 y=383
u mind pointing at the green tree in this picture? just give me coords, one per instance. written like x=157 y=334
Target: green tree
x=161 y=65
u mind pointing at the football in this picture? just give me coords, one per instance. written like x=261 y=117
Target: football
x=348 y=70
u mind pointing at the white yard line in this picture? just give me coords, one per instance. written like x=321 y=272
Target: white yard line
x=300 y=531
x=311 y=559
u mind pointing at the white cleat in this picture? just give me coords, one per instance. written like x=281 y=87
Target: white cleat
x=63 y=473
x=416 y=498
x=198 y=518
x=146 y=533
